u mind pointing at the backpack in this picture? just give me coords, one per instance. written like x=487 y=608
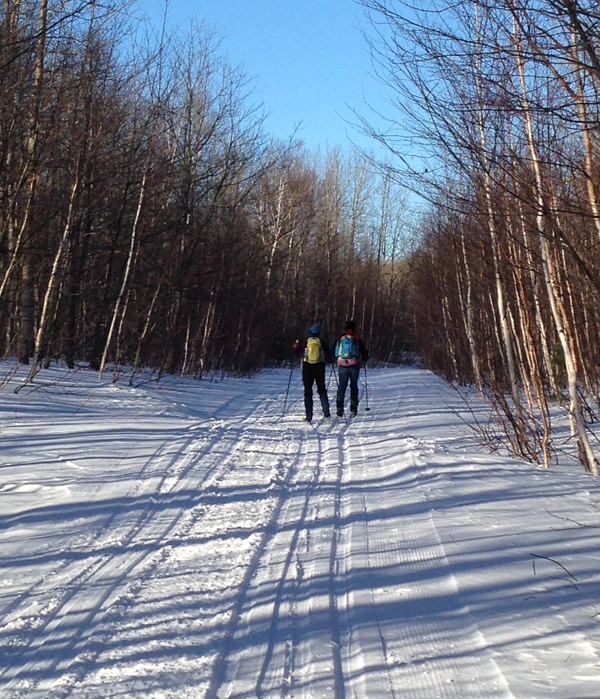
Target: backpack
x=347 y=348
x=313 y=354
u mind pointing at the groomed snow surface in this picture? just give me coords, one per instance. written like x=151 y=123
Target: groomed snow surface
x=180 y=539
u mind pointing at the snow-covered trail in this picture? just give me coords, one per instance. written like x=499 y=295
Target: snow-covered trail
x=185 y=541
x=352 y=595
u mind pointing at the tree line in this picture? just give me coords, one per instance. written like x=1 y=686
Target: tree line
x=499 y=101
x=148 y=220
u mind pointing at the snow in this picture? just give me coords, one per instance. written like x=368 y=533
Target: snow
x=181 y=539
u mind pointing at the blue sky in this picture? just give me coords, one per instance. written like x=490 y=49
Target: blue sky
x=308 y=58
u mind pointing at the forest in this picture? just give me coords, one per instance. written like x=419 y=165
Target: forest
x=148 y=220
x=498 y=102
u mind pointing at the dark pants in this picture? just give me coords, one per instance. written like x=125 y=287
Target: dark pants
x=314 y=373
x=348 y=373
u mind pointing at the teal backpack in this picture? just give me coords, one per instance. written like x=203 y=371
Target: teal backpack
x=348 y=348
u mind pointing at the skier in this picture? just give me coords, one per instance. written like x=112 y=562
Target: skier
x=315 y=353
x=350 y=352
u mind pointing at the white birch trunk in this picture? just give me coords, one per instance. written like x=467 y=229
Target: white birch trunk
x=119 y=334
x=469 y=320
x=448 y=334
x=48 y=297
x=16 y=246
x=585 y=133
x=186 y=350
x=128 y=268
x=500 y=299
x=143 y=334
x=539 y=320
x=585 y=449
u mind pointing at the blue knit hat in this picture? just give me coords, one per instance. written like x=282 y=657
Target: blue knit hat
x=314 y=330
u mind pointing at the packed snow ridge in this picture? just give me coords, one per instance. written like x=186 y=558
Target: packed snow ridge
x=183 y=539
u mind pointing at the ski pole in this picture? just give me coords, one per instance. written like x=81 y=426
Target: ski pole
x=332 y=373
x=288 y=389
x=335 y=376
x=366 y=390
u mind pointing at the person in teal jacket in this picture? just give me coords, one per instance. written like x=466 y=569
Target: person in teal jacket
x=350 y=353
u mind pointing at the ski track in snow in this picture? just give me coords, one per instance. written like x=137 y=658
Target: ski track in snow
x=187 y=542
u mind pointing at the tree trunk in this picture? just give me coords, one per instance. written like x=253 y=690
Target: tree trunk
x=128 y=267
x=586 y=453
x=53 y=280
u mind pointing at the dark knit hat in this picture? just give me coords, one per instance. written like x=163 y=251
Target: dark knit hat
x=314 y=330
x=350 y=325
